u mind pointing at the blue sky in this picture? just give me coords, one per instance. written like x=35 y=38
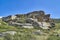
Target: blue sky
x=12 y=7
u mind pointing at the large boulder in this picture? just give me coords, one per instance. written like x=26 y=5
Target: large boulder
x=43 y=25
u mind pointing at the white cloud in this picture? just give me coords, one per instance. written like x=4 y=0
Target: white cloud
x=0 y=16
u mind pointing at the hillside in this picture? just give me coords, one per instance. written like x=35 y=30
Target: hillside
x=26 y=27
x=57 y=20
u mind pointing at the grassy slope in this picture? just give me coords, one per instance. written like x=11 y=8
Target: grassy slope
x=26 y=34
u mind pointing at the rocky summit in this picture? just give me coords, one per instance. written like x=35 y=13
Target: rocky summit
x=30 y=20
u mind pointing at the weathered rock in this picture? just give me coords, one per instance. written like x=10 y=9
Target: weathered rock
x=10 y=32
x=38 y=32
x=36 y=18
x=35 y=23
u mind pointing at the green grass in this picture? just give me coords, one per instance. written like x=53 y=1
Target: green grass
x=27 y=34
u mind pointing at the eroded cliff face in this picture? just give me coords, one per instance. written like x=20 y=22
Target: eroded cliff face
x=36 y=18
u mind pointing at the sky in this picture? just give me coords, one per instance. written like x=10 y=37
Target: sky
x=12 y=7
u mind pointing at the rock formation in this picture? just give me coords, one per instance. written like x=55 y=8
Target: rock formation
x=36 y=18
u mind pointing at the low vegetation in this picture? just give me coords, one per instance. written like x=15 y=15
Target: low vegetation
x=27 y=34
